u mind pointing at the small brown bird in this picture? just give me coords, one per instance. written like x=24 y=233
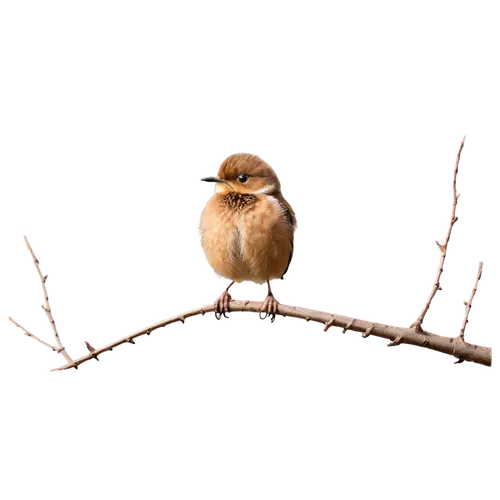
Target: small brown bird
x=247 y=227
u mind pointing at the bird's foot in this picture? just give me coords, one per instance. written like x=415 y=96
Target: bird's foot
x=222 y=305
x=269 y=308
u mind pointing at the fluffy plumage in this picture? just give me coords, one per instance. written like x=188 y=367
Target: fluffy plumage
x=247 y=226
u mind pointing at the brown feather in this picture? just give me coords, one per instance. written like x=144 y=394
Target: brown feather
x=247 y=228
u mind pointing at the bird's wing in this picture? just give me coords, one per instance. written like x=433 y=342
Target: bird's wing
x=290 y=259
x=292 y=221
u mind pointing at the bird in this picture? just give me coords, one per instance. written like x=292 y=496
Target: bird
x=247 y=228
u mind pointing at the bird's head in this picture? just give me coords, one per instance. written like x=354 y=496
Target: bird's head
x=245 y=173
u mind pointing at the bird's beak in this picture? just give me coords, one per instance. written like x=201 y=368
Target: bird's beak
x=212 y=179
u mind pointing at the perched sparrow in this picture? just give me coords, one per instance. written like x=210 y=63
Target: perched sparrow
x=247 y=227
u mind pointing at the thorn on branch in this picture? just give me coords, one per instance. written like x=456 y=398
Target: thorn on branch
x=396 y=341
x=327 y=326
x=130 y=341
x=457 y=362
x=344 y=330
x=368 y=331
x=182 y=318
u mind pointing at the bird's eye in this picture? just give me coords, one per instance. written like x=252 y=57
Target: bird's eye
x=243 y=178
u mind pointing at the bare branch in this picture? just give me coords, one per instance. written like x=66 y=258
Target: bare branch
x=31 y=335
x=396 y=335
x=443 y=248
x=46 y=308
x=468 y=305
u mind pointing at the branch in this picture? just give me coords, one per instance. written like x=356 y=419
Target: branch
x=468 y=305
x=443 y=248
x=47 y=310
x=447 y=345
x=31 y=335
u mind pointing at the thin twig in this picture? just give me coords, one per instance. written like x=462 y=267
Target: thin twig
x=47 y=308
x=443 y=248
x=31 y=335
x=468 y=305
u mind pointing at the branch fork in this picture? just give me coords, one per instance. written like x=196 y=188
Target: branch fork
x=417 y=325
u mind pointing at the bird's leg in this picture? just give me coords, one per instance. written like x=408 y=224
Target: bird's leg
x=269 y=306
x=222 y=303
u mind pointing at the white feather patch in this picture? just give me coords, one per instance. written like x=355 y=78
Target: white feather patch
x=264 y=190
x=276 y=203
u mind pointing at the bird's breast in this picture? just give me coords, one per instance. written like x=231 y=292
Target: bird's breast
x=237 y=202
x=246 y=237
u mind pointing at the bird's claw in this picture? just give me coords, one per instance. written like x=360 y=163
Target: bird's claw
x=222 y=305
x=269 y=308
